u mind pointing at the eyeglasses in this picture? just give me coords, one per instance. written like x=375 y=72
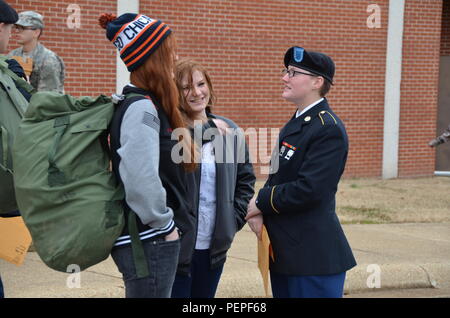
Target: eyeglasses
x=20 y=28
x=292 y=73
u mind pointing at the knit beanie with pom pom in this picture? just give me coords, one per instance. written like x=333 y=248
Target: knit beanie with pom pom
x=136 y=36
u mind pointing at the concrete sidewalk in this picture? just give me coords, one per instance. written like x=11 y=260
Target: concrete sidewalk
x=409 y=257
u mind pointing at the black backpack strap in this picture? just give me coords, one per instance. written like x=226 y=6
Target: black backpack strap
x=114 y=128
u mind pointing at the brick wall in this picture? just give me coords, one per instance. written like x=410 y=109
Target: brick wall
x=445 y=31
x=243 y=47
x=419 y=87
x=242 y=43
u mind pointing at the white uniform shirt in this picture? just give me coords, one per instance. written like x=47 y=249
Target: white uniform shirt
x=308 y=108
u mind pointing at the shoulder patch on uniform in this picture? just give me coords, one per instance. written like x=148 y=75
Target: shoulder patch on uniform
x=151 y=121
x=327 y=118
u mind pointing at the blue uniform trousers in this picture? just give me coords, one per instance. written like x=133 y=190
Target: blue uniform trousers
x=323 y=286
x=1 y=289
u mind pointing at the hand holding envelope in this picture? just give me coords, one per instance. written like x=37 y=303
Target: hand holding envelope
x=255 y=221
x=254 y=218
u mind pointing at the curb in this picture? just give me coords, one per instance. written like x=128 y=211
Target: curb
x=367 y=277
x=240 y=279
x=361 y=279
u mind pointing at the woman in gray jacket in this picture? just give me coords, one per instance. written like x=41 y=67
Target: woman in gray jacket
x=141 y=142
x=222 y=187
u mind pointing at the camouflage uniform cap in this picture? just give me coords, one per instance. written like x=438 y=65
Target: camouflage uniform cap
x=31 y=19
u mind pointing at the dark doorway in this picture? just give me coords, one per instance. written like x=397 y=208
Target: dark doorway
x=443 y=151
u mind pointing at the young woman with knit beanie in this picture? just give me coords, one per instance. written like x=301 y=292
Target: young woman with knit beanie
x=155 y=186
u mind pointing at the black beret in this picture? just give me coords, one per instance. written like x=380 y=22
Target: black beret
x=7 y=14
x=315 y=62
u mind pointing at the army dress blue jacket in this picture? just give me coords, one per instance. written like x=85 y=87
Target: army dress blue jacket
x=298 y=200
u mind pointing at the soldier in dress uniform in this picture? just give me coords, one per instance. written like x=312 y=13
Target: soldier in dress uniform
x=310 y=253
x=44 y=68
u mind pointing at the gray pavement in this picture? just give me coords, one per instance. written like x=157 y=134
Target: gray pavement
x=394 y=260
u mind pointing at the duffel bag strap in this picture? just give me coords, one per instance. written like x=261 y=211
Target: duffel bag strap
x=140 y=261
x=55 y=175
x=4 y=139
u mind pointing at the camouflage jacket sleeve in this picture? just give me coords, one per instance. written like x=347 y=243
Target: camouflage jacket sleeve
x=50 y=78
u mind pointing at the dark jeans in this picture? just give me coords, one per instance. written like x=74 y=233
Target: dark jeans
x=202 y=281
x=1 y=289
x=162 y=258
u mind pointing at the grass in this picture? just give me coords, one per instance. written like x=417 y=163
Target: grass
x=365 y=214
x=373 y=201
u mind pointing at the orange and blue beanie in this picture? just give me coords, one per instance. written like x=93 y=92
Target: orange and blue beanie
x=135 y=36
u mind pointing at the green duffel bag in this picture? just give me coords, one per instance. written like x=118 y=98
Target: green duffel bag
x=67 y=195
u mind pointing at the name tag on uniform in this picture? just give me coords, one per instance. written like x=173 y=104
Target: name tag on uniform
x=287 y=150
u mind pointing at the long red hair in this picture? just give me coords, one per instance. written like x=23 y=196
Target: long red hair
x=157 y=76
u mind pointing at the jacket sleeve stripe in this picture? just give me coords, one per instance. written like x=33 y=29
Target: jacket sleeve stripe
x=271 y=201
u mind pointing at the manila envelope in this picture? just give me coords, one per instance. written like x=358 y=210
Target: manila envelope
x=264 y=252
x=14 y=240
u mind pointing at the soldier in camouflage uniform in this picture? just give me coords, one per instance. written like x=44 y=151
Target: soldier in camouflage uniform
x=441 y=139
x=47 y=73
